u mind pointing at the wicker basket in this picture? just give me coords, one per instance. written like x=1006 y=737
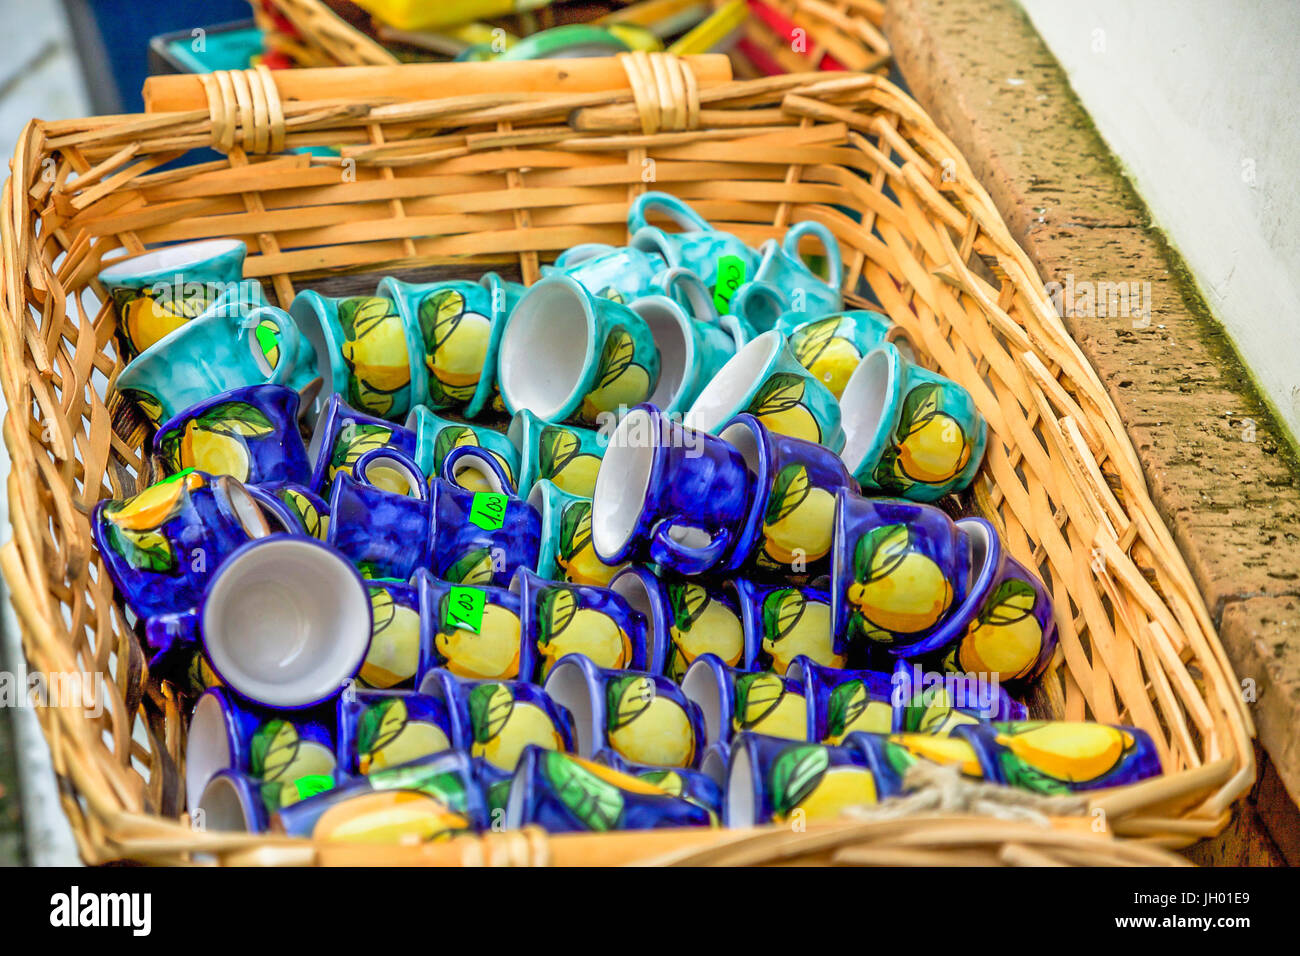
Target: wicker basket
x=495 y=177
x=845 y=33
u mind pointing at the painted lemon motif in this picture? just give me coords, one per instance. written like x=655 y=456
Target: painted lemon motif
x=455 y=347
x=217 y=440
x=592 y=792
x=146 y=320
x=930 y=447
x=279 y=755
x=620 y=382
x=375 y=351
x=354 y=440
x=646 y=727
x=1005 y=638
x=779 y=405
x=565 y=628
x=133 y=525
x=562 y=460
x=803 y=779
x=391 y=817
x=388 y=737
x=830 y=358
x=473 y=567
x=794 y=624
x=800 y=518
x=765 y=706
x=394 y=642
x=701 y=625
x=1071 y=751
x=460 y=436
x=896 y=589
x=503 y=726
x=852 y=708
x=947 y=751
x=575 y=555
x=148 y=405
x=491 y=654
x=309 y=516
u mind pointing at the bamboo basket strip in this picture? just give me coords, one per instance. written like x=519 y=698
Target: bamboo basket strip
x=489 y=179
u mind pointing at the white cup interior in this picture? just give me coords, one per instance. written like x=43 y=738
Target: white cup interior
x=247 y=511
x=303 y=311
x=621 y=482
x=475 y=463
x=392 y=474
x=318 y=433
x=863 y=403
x=286 y=622
x=567 y=686
x=207 y=747
x=544 y=348
x=741 y=438
x=714 y=766
x=631 y=587
x=169 y=257
x=676 y=346
x=734 y=383
x=740 y=789
x=223 y=807
x=698 y=684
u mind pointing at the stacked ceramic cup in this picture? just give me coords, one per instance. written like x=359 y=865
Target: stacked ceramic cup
x=609 y=552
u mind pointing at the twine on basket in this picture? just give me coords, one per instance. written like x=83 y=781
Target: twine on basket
x=665 y=91
x=245 y=109
x=934 y=788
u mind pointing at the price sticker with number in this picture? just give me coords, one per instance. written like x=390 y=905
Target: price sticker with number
x=465 y=608
x=312 y=784
x=731 y=276
x=488 y=510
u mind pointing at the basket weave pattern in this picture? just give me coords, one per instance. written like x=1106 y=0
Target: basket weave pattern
x=488 y=179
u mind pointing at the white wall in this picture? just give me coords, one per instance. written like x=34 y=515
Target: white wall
x=1200 y=100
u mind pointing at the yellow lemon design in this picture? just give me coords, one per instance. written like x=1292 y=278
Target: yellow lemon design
x=375 y=349
x=389 y=817
x=619 y=380
x=895 y=588
x=492 y=653
x=562 y=460
x=503 y=726
x=1006 y=638
x=794 y=624
x=387 y=737
x=147 y=320
x=155 y=505
x=800 y=518
x=930 y=444
x=646 y=727
x=394 y=642
x=839 y=789
x=565 y=628
x=576 y=556
x=456 y=346
x=354 y=440
x=278 y=754
x=948 y=751
x=701 y=625
x=213 y=452
x=217 y=440
x=779 y=405
x=802 y=779
x=830 y=358
x=852 y=708
x=1074 y=751
x=765 y=706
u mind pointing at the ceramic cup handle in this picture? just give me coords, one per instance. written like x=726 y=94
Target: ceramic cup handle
x=683 y=558
x=581 y=253
x=677 y=211
x=699 y=302
x=389 y=469
x=286 y=331
x=790 y=246
x=478 y=459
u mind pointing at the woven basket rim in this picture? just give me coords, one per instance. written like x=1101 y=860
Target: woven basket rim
x=952 y=222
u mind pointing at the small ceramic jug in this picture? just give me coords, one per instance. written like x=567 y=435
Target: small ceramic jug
x=384 y=533
x=690 y=352
x=735 y=701
x=437 y=436
x=609 y=272
x=785 y=620
x=698 y=247
x=770 y=780
x=474 y=468
x=292 y=508
x=831 y=347
x=381 y=729
x=230 y=802
x=566 y=455
x=1062 y=756
x=566 y=553
x=342 y=435
x=480 y=536
x=470 y=631
x=797 y=288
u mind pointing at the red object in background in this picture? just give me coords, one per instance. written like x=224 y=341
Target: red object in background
x=282 y=23
x=780 y=25
x=762 y=60
x=276 y=60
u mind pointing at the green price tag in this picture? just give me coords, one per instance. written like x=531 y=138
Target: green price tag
x=488 y=510
x=731 y=276
x=465 y=608
x=312 y=784
x=267 y=338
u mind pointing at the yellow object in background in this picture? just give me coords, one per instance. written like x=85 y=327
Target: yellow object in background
x=433 y=14
x=636 y=37
x=663 y=18
x=711 y=34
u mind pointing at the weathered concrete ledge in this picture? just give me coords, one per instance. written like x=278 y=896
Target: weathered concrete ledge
x=1219 y=469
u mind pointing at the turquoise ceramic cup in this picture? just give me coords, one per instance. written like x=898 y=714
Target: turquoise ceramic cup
x=622 y=274
x=909 y=432
x=783 y=282
x=567 y=455
x=436 y=437
x=832 y=346
x=158 y=292
x=691 y=353
x=766 y=380
x=455 y=327
x=364 y=351
x=569 y=356
x=566 y=553
x=215 y=353
x=698 y=247
x=687 y=289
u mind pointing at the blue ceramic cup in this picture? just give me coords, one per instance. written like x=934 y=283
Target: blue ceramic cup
x=789 y=528
x=231 y=802
x=250 y=434
x=564 y=793
x=735 y=701
x=766 y=380
x=274 y=747
x=898 y=569
x=158 y=292
x=342 y=435
x=908 y=431
x=642 y=718
x=215 y=353
x=559 y=619
x=162 y=547
x=480 y=537
x=569 y=356
x=382 y=729
x=784 y=621
x=669 y=494
x=471 y=631
x=393 y=657
x=293 y=508
x=502 y=718
x=384 y=533
x=770 y=780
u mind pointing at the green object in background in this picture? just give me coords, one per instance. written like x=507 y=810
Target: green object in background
x=576 y=40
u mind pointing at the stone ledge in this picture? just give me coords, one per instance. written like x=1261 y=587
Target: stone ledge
x=1219 y=469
